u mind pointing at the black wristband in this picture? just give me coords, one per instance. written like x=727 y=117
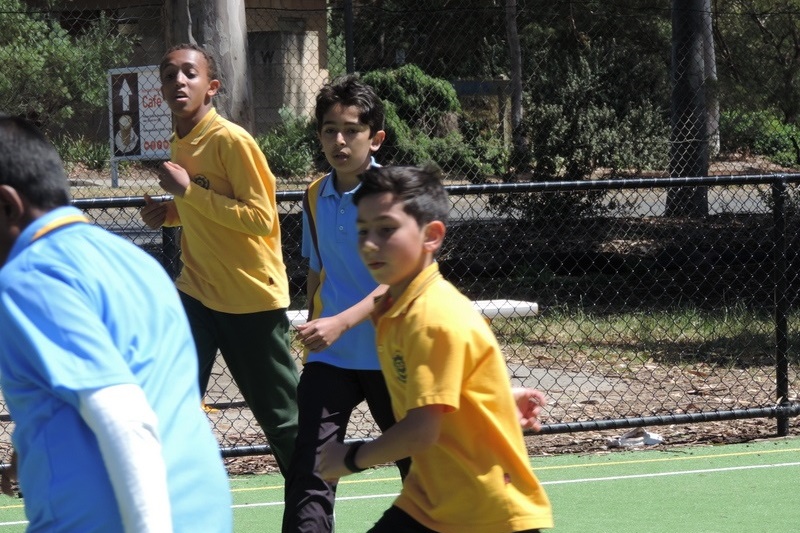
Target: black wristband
x=350 y=457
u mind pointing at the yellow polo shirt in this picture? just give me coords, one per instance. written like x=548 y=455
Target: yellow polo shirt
x=231 y=239
x=435 y=348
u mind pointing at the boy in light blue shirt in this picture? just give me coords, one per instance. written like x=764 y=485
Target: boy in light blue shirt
x=97 y=366
x=341 y=366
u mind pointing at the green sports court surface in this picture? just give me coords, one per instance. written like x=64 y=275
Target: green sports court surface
x=748 y=487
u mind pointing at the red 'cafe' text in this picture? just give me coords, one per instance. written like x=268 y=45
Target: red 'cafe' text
x=151 y=101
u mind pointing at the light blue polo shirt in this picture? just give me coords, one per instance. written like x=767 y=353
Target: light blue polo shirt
x=347 y=280
x=81 y=308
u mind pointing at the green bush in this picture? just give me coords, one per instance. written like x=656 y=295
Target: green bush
x=578 y=129
x=48 y=73
x=79 y=150
x=577 y=125
x=421 y=101
x=739 y=130
x=455 y=156
x=290 y=146
x=760 y=133
x=397 y=148
x=425 y=122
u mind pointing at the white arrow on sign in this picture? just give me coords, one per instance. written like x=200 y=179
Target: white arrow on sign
x=125 y=94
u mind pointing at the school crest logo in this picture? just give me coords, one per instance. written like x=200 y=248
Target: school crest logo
x=202 y=181
x=399 y=367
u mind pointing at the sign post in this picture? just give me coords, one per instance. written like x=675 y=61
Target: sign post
x=140 y=122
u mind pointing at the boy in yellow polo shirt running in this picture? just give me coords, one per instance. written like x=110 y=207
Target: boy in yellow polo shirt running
x=233 y=282
x=457 y=416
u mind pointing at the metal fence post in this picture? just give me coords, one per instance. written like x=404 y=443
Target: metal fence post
x=781 y=301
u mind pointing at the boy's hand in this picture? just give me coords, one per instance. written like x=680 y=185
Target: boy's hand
x=529 y=406
x=153 y=214
x=331 y=461
x=173 y=178
x=320 y=333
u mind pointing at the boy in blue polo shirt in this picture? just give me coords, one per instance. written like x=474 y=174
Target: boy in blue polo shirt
x=97 y=366
x=341 y=364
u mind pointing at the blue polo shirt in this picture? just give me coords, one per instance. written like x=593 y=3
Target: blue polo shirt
x=345 y=281
x=81 y=308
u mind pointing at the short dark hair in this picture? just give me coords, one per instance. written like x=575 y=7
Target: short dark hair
x=350 y=91
x=420 y=189
x=213 y=73
x=30 y=164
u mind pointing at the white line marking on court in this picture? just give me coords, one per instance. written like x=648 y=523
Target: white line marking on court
x=262 y=504
x=338 y=499
x=395 y=495
x=660 y=474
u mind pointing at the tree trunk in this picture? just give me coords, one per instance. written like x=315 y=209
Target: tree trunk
x=349 y=38
x=710 y=67
x=219 y=26
x=515 y=53
x=689 y=146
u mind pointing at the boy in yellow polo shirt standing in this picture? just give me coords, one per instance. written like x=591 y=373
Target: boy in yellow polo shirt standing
x=457 y=416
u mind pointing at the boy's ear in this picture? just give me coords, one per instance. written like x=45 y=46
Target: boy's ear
x=213 y=87
x=11 y=204
x=377 y=140
x=434 y=236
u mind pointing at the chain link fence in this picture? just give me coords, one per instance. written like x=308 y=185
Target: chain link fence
x=557 y=123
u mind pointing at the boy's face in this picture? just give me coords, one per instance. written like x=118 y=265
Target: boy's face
x=392 y=244
x=347 y=142
x=185 y=83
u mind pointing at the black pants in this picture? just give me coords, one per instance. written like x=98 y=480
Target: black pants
x=257 y=352
x=326 y=397
x=395 y=520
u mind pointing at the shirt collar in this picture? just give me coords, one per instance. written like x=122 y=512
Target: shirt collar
x=328 y=187
x=46 y=223
x=385 y=306
x=199 y=130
